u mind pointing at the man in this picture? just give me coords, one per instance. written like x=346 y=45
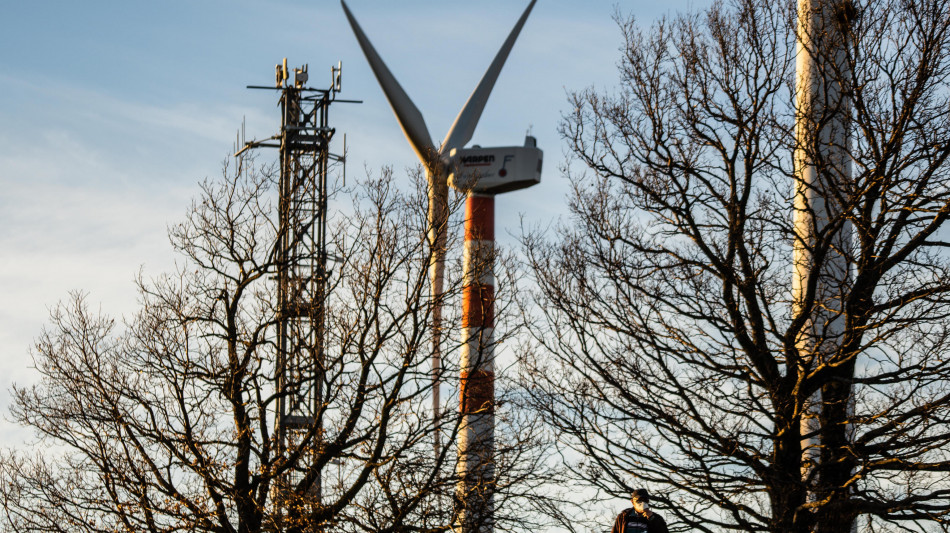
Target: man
x=639 y=518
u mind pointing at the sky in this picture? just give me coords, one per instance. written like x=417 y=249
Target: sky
x=112 y=112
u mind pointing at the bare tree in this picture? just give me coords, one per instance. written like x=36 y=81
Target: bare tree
x=668 y=299
x=166 y=421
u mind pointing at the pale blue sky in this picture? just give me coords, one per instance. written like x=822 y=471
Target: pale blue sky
x=111 y=112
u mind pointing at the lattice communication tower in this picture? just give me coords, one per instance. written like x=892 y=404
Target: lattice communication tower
x=304 y=144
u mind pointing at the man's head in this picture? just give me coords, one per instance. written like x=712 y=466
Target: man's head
x=640 y=499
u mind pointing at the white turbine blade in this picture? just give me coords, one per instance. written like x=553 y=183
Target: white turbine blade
x=464 y=126
x=408 y=115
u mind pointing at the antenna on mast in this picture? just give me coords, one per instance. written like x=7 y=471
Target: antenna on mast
x=336 y=77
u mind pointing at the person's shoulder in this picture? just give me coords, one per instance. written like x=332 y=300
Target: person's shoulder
x=621 y=518
x=623 y=514
x=656 y=523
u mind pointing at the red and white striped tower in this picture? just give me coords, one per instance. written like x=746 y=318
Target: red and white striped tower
x=476 y=440
x=482 y=173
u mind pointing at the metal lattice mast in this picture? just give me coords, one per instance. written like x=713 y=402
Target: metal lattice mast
x=303 y=142
x=301 y=280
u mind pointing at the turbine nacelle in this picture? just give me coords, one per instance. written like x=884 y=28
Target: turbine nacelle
x=495 y=170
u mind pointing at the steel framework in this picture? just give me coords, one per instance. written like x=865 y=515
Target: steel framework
x=304 y=145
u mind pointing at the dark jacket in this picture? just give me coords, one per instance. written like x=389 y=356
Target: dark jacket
x=630 y=521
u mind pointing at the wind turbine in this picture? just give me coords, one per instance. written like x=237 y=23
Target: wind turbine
x=480 y=173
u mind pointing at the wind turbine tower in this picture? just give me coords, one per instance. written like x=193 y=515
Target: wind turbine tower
x=481 y=173
x=822 y=252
